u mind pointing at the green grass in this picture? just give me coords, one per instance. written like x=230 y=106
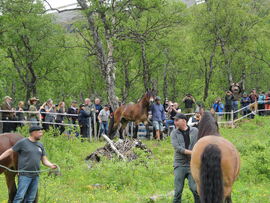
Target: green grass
x=138 y=180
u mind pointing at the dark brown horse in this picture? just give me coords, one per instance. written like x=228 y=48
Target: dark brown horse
x=215 y=163
x=131 y=112
x=7 y=140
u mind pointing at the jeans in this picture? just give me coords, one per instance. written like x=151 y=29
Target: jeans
x=169 y=123
x=180 y=174
x=27 y=189
x=104 y=127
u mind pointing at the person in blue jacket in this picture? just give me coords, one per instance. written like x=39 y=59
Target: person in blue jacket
x=218 y=108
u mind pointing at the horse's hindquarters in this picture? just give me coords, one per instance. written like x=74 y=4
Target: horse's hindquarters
x=230 y=160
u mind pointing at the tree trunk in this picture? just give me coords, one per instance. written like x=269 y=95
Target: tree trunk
x=106 y=60
x=125 y=89
x=165 y=81
x=146 y=71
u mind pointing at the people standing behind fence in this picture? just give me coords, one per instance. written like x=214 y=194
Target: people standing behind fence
x=8 y=116
x=194 y=120
x=228 y=105
x=73 y=110
x=60 y=117
x=253 y=102
x=166 y=104
x=245 y=101
x=20 y=115
x=267 y=103
x=98 y=108
x=261 y=103
x=83 y=120
x=218 y=107
x=236 y=92
x=33 y=117
x=90 y=109
x=103 y=118
x=172 y=110
x=189 y=102
x=42 y=113
x=158 y=117
x=50 y=116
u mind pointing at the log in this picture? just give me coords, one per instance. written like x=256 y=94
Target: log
x=113 y=147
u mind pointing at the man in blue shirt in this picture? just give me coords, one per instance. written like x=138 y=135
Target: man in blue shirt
x=158 y=116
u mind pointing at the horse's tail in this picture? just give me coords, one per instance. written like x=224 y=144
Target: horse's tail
x=111 y=130
x=211 y=186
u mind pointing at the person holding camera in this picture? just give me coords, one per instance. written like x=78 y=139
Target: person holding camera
x=50 y=117
x=218 y=108
x=189 y=101
x=172 y=109
x=194 y=120
x=228 y=105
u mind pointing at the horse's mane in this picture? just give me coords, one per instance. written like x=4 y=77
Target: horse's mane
x=208 y=125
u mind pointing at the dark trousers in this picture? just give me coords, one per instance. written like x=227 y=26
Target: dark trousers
x=60 y=127
x=8 y=127
x=84 y=129
x=228 y=108
x=261 y=107
x=180 y=174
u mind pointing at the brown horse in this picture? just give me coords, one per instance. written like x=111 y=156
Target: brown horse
x=215 y=163
x=7 y=140
x=131 y=112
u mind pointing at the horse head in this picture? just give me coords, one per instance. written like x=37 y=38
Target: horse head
x=208 y=125
x=150 y=95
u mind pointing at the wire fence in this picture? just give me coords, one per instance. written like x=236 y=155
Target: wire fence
x=94 y=127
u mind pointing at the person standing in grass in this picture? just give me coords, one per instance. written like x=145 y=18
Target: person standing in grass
x=30 y=153
x=158 y=117
x=103 y=118
x=183 y=139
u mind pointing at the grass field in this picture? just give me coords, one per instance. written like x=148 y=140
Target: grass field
x=136 y=181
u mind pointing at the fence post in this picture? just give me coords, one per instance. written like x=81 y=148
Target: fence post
x=232 y=119
x=90 y=129
x=95 y=125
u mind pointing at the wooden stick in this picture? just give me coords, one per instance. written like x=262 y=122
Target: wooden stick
x=113 y=147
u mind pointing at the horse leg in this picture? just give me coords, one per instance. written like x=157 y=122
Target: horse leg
x=122 y=129
x=11 y=184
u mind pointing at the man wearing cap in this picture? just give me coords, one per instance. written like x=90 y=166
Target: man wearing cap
x=183 y=139
x=30 y=153
x=7 y=116
x=158 y=116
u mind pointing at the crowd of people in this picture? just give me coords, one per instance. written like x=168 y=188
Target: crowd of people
x=53 y=115
x=90 y=114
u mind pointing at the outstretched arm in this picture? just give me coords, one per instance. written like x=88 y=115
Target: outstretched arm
x=46 y=162
x=6 y=154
